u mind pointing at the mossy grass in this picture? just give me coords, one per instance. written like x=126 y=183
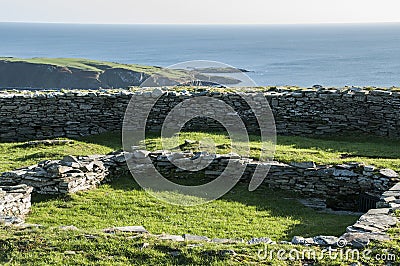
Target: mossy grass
x=380 y=152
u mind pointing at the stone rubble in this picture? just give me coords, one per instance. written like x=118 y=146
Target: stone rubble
x=69 y=175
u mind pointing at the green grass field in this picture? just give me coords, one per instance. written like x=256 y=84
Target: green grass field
x=239 y=214
x=381 y=152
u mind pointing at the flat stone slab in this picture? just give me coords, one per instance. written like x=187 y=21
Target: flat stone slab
x=226 y=241
x=126 y=229
x=379 y=220
x=326 y=240
x=47 y=142
x=258 y=240
x=388 y=173
x=68 y=228
x=195 y=238
x=303 y=165
x=364 y=237
x=299 y=240
x=343 y=173
x=395 y=187
x=378 y=211
x=176 y=238
x=361 y=240
x=369 y=168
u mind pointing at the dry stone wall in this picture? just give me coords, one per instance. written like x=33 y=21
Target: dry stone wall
x=69 y=175
x=342 y=186
x=47 y=114
x=15 y=203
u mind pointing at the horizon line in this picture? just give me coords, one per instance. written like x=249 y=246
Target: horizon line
x=202 y=24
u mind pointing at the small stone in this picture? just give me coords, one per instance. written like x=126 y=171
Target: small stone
x=71 y=159
x=145 y=245
x=24 y=225
x=70 y=252
x=60 y=169
x=343 y=173
x=389 y=199
x=389 y=173
x=326 y=240
x=303 y=165
x=259 y=240
x=89 y=236
x=126 y=229
x=395 y=206
x=227 y=252
x=189 y=237
x=298 y=240
x=361 y=239
x=176 y=238
x=369 y=168
x=226 y=241
x=379 y=211
x=68 y=227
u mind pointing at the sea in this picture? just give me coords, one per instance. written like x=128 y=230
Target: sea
x=331 y=55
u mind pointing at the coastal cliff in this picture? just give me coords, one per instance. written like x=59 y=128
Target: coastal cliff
x=59 y=73
x=55 y=74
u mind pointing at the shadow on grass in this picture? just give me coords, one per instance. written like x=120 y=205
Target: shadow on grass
x=36 y=198
x=40 y=156
x=277 y=203
x=111 y=140
x=179 y=258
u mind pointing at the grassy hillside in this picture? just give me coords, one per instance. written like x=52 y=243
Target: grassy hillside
x=85 y=73
x=93 y=65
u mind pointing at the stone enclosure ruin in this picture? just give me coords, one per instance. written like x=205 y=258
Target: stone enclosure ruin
x=50 y=114
x=26 y=115
x=72 y=174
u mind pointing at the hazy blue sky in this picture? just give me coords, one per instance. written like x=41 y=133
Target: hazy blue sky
x=200 y=11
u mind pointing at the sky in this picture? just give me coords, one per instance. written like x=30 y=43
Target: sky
x=200 y=11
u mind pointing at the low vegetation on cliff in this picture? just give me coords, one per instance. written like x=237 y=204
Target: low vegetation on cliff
x=59 y=73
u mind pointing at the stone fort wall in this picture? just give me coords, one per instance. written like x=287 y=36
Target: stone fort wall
x=47 y=114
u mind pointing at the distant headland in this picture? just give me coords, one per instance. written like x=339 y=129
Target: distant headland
x=59 y=73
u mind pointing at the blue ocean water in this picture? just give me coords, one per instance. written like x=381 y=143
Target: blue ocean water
x=303 y=55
